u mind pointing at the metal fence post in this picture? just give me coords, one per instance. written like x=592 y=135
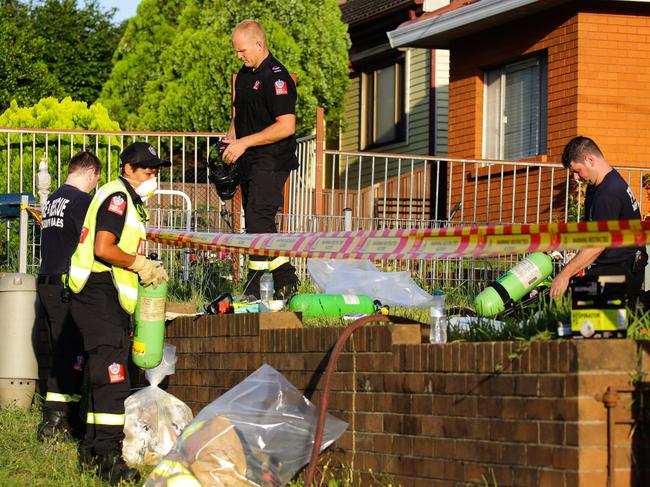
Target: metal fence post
x=347 y=219
x=320 y=160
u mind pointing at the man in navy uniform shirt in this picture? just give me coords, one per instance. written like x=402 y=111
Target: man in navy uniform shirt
x=262 y=138
x=608 y=197
x=63 y=215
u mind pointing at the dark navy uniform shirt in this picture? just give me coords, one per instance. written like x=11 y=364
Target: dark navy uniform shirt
x=612 y=199
x=63 y=217
x=262 y=95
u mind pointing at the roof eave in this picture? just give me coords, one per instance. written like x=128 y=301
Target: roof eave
x=437 y=32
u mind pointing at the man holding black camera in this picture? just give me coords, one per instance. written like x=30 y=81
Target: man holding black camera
x=262 y=138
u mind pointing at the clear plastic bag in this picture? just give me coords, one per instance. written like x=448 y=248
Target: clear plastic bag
x=260 y=432
x=335 y=276
x=154 y=418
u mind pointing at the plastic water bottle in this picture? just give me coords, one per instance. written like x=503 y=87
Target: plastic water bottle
x=438 y=314
x=266 y=286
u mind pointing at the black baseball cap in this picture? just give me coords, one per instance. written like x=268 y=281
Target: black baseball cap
x=142 y=154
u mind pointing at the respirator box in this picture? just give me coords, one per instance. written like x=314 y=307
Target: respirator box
x=598 y=306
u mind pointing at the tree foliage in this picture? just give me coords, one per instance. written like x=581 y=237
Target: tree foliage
x=82 y=41
x=174 y=72
x=54 y=48
x=24 y=75
x=50 y=113
x=62 y=115
x=137 y=59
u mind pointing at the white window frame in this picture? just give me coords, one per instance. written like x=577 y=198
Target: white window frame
x=494 y=124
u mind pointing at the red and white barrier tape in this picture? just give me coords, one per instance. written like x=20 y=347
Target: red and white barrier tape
x=476 y=241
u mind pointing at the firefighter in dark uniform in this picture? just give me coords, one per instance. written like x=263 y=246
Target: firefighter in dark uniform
x=104 y=274
x=262 y=137
x=63 y=215
x=608 y=197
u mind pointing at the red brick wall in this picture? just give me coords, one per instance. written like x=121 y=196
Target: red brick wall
x=598 y=85
x=429 y=414
x=554 y=31
x=614 y=80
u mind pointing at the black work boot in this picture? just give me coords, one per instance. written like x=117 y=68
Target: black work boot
x=114 y=469
x=54 y=424
x=285 y=280
x=288 y=290
x=87 y=458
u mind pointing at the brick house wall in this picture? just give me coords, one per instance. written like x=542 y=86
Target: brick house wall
x=598 y=85
x=529 y=413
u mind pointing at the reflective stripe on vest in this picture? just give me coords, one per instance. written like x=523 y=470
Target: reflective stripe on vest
x=56 y=397
x=277 y=262
x=83 y=260
x=106 y=419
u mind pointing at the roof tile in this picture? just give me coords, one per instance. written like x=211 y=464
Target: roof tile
x=355 y=11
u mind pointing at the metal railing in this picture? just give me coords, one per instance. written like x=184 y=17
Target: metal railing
x=394 y=188
x=382 y=191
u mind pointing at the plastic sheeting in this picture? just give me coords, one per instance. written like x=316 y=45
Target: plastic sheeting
x=334 y=276
x=260 y=432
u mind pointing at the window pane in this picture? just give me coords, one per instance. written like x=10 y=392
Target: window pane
x=385 y=105
x=492 y=129
x=521 y=112
x=515 y=110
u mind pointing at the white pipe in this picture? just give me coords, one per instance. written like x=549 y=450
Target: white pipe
x=188 y=225
x=22 y=252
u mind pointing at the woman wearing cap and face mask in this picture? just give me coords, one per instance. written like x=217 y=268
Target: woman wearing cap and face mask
x=104 y=274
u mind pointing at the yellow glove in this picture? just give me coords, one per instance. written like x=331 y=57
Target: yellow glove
x=146 y=270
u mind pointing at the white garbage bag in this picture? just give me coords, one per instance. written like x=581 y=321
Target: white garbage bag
x=154 y=418
x=259 y=433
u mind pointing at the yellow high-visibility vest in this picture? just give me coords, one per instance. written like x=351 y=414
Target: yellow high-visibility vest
x=132 y=240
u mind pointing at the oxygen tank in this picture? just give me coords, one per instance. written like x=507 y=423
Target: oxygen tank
x=514 y=284
x=149 y=332
x=332 y=305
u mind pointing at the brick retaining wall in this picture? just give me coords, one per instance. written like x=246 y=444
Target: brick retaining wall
x=529 y=412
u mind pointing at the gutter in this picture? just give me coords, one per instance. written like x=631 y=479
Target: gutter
x=415 y=34
x=437 y=30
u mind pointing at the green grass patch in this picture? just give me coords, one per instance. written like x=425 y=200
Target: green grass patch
x=26 y=461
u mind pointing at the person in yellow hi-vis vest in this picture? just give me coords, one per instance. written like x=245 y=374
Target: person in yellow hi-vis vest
x=104 y=273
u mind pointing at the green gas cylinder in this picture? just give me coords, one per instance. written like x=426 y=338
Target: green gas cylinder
x=514 y=284
x=149 y=332
x=332 y=305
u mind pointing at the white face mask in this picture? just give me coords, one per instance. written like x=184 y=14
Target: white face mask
x=147 y=188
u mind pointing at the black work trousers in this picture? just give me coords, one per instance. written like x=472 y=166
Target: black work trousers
x=262 y=197
x=105 y=327
x=65 y=376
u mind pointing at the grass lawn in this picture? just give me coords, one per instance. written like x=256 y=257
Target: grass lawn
x=25 y=461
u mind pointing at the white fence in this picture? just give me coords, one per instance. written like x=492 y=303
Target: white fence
x=380 y=191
